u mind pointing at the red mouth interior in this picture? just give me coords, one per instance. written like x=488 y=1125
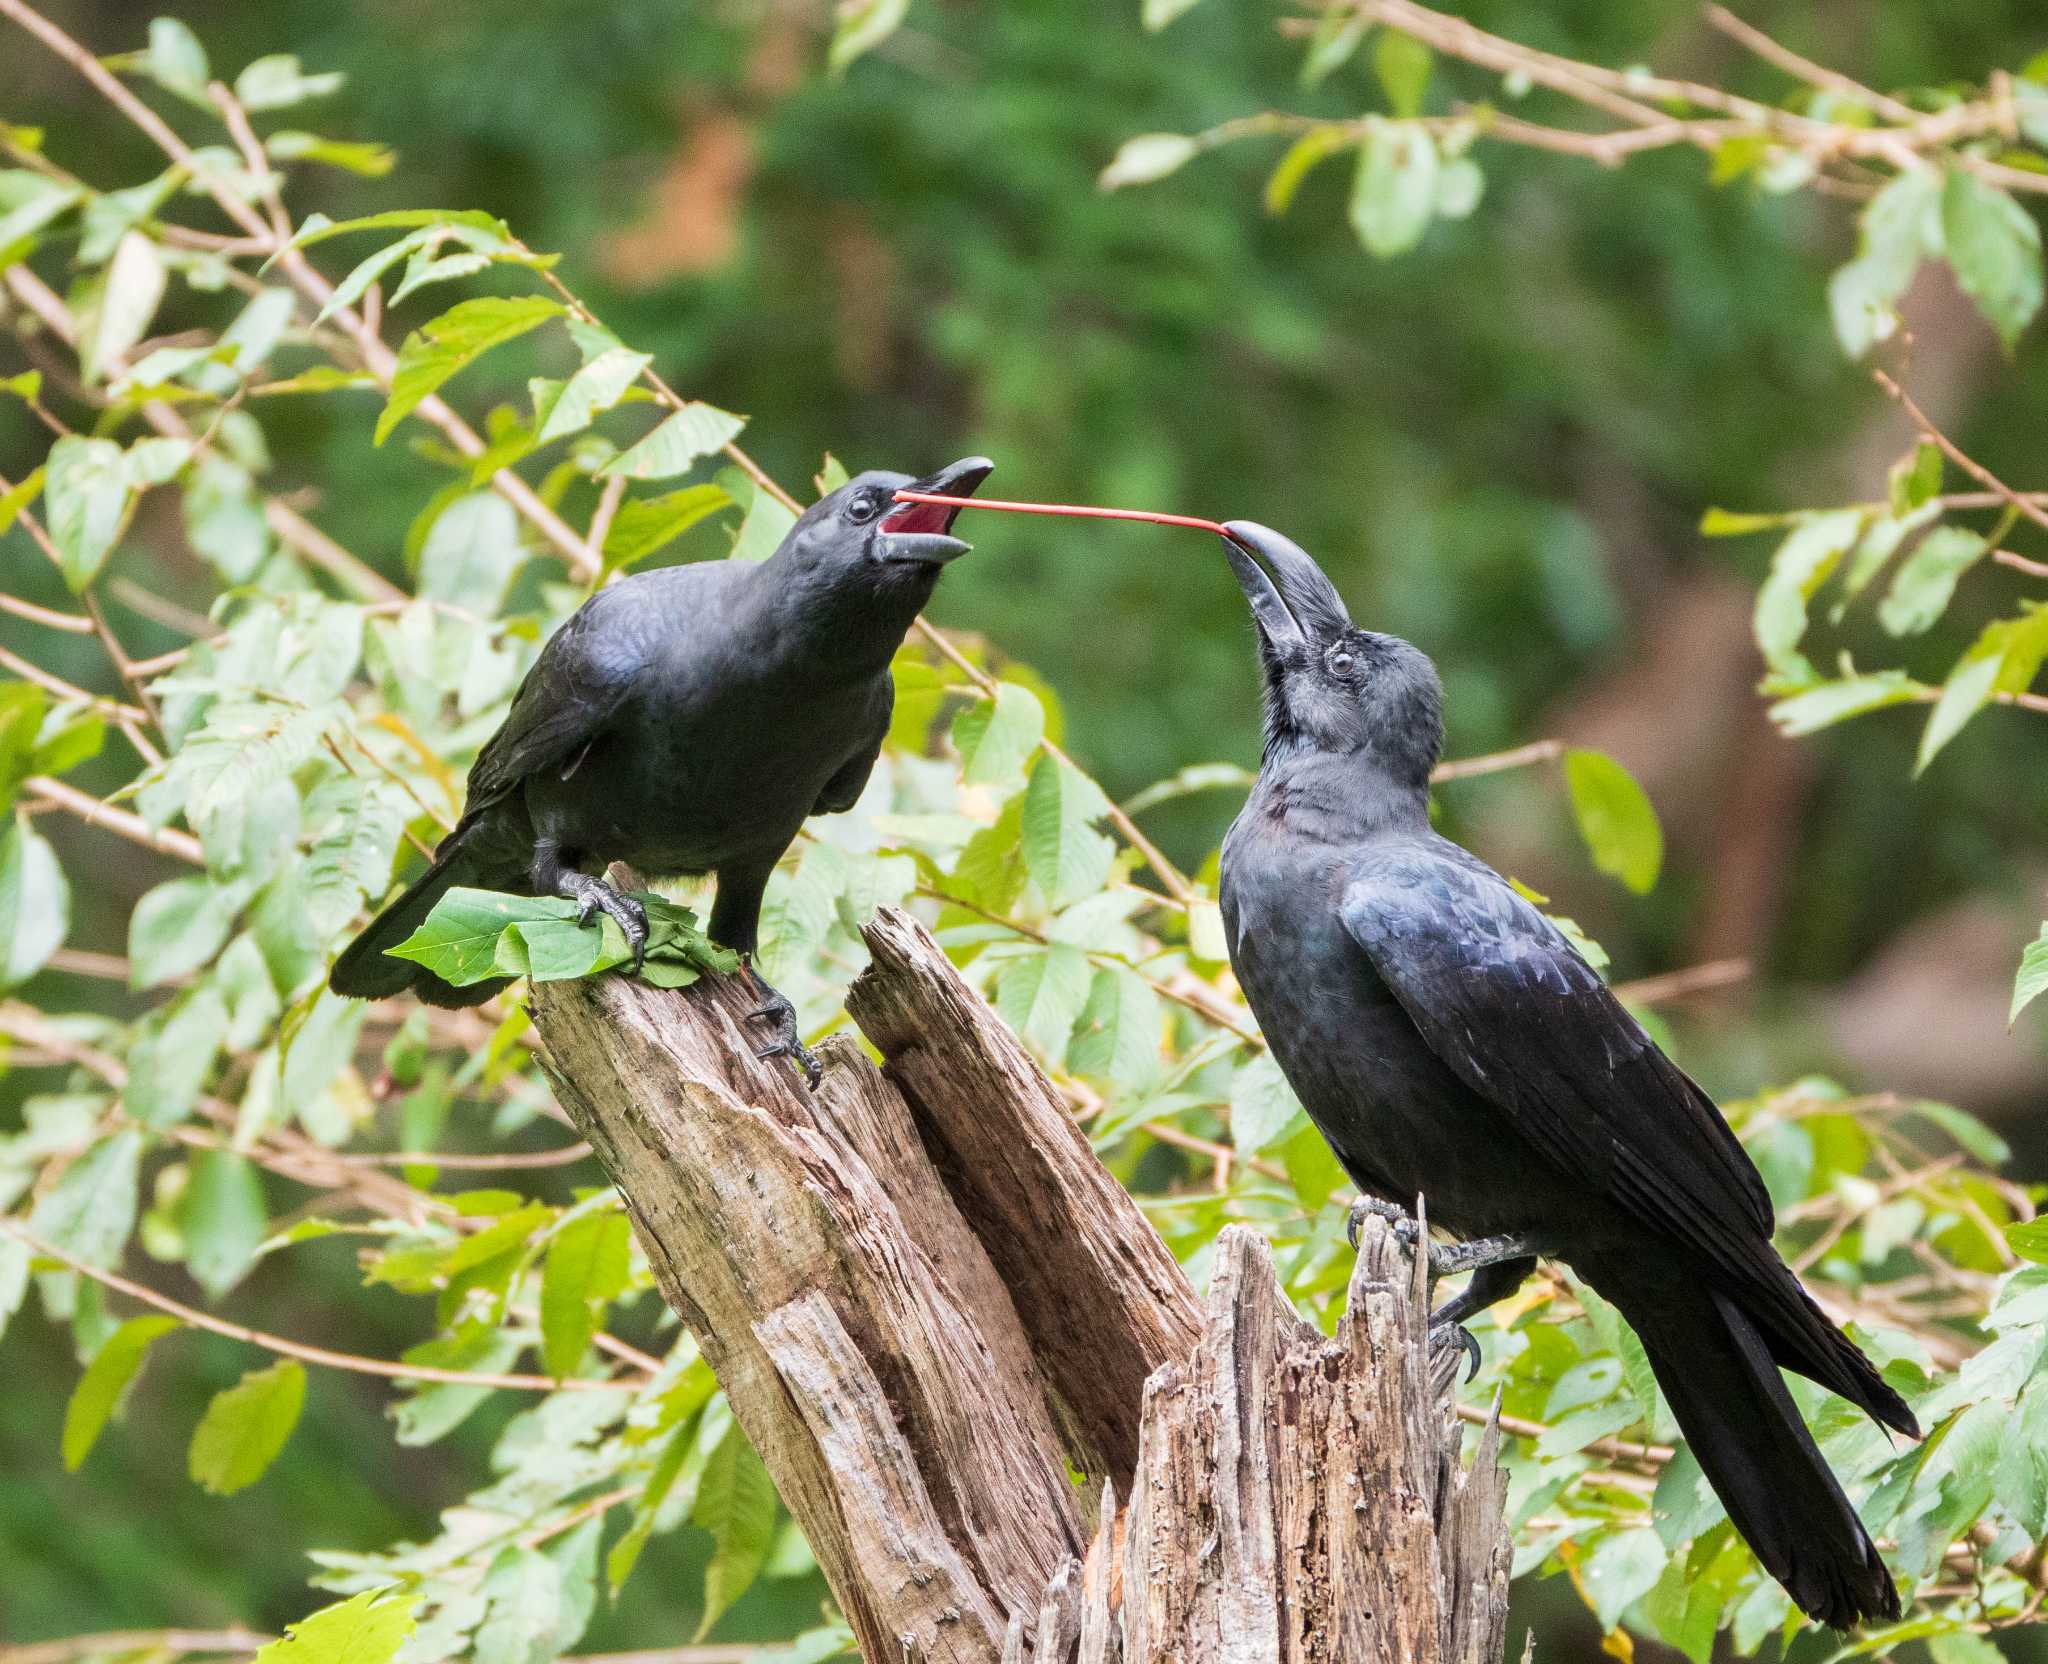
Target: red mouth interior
x=920 y=517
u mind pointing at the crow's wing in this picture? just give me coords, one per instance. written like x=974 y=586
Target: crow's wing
x=573 y=690
x=1503 y=998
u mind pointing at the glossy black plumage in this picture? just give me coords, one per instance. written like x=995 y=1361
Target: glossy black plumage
x=686 y=721
x=1449 y=1042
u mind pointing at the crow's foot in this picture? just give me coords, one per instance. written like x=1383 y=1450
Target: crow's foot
x=1371 y=1207
x=593 y=896
x=776 y=1009
x=1448 y=1334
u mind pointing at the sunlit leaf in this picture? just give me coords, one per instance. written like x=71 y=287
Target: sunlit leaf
x=367 y=1629
x=246 y=1426
x=736 y=1504
x=105 y=1382
x=1995 y=247
x=1615 y=818
x=2032 y=980
x=1149 y=156
x=437 y=350
x=1393 y=193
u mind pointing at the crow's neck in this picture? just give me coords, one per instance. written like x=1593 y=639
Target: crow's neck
x=846 y=631
x=1337 y=797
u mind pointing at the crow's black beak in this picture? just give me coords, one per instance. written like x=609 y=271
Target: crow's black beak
x=918 y=531
x=1298 y=604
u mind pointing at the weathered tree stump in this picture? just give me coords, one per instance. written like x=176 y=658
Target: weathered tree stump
x=930 y=1305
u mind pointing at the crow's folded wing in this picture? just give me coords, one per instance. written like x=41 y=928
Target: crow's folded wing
x=573 y=690
x=1503 y=998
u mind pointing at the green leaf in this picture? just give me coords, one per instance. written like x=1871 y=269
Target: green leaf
x=176 y=928
x=736 y=1504
x=1801 y=565
x=471 y=553
x=523 y=1595
x=1901 y=225
x=1995 y=247
x=1337 y=34
x=28 y=202
x=1117 y=1036
x=2021 y=1482
x=644 y=525
x=1621 y=1569
x=19 y=497
x=1615 y=818
x=2032 y=980
x=437 y=350
x=1263 y=1106
x=35 y=903
x=1393 y=193
x=1066 y=857
x=222 y=1217
x=860 y=26
x=176 y=61
x=458 y=941
x=588 y=393
x=86 y=485
x=587 y=1267
x=1156 y=14
x=133 y=290
x=1832 y=702
x=277 y=82
x=90 y=1210
x=1300 y=160
x=768 y=519
x=1402 y=64
x=696 y=431
x=1926 y=579
x=1915 y=479
x=246 y=1426
x=366 y=161
x=1148 y=157
x=2005 y=658
x=1721 y=522
x=168 y=1059
x=366 y=1629
x=1040 y=993
x=996 y=737
x=105 y=1382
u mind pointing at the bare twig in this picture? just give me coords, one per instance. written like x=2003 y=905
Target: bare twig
x=120 y=822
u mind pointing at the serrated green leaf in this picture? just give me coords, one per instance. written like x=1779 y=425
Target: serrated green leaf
x=87 y=491
x=1615 y=818
x=1148 y=157
x=1995 y=248
x=176 y=928
x=2032 y=980
x=366 y=1629
x=471 y=554
x=246 y=1426
x=90 y=1210
x=524 y=1605
x=644 y=525
x=461 y=335
x=1117 y=1035
x=587 y=1266
x=170 y=1055
x=35 y=902
x=1263 y=1106
x=1832 y=702
x=696 y=431
x=1800 y=566
x=1621 y=1569
x=587 y=394
x=1040 y=993
x=996 y=737
x=222 y=1218
x=106 y=1380
x=1901 y=225
x=736 y=1504
x=2005 y=658
x=1393 y=193
x=1066 y=857
x=1920 y=590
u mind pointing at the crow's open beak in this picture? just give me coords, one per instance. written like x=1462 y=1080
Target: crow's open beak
x=1295 y=606
x=919 y=531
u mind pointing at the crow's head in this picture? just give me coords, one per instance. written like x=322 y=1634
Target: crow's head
x=1330 y=686
x=860 y=538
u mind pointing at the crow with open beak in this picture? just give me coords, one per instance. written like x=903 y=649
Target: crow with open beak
x=685 y=721
x=1450 y=1043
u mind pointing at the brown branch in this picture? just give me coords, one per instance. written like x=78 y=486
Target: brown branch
x=349 y=1361
x=1463 y=768
x=70 y=622
x=167 y=840
x=1950 y=449
x=114 y=1643
x=1655 y=990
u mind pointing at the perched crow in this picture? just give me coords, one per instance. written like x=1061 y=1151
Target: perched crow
x=686 y=720
x=1448 y=1041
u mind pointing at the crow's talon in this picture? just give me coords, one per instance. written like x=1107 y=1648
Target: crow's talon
x=1372 y=1206
x=775 y=1008
x=1456 y=1334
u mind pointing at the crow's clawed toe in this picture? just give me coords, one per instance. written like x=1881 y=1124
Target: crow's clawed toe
x=1458 y=1336
x=776 y=1009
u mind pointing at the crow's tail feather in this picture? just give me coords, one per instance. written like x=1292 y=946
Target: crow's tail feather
x=367 y=971
x=1716 y=1369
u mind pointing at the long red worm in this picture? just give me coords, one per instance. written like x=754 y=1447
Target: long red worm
x=1077 y=511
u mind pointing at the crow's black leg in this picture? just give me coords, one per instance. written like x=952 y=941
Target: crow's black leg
x=776 y=1009
x=736 y=924
x=1499 y=1265
x=552 y=876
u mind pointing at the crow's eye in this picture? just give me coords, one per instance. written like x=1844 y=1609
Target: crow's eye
x=1342 y=663
x=863 y=508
